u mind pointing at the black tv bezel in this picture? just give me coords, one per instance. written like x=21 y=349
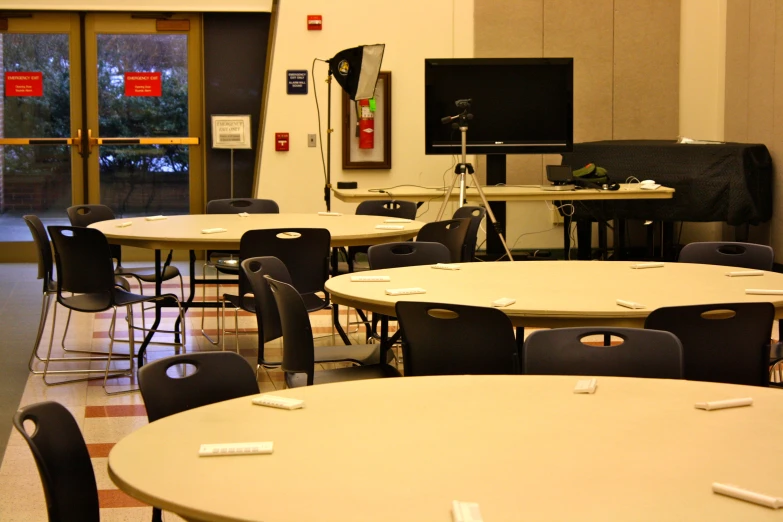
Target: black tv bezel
x=512 y=148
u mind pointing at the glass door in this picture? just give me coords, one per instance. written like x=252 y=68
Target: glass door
x=97 y=108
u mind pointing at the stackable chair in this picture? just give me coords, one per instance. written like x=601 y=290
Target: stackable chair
x=727 y=342
x=385 y=208
x=85 y=215
x=642 y=353
x=451 y=233
x=476 y=215
x=46 y=273
x=63 y=461
x=401 y=254
x=742 y=255
x=226 y=262
x=447 y=339
x=268 y=319
x=298 y=347
x=305 y=253
x=201 y=378
x=85 y=283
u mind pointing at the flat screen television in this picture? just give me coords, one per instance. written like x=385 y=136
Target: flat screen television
x=519 y=105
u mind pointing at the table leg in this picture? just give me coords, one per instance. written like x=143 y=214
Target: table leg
x=156 y=323
x=567 y=236
x=192 y=292
x=520 y=348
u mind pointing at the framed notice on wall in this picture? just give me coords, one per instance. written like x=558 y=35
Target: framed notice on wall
x=231 y=132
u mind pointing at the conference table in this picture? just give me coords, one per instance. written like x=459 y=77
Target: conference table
x=187 y=232
x=626 y=191
x=556 y=294
x=522 y=447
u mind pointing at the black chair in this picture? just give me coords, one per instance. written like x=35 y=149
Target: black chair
x=451 y=232
x=63 y=462
x=305 y=253
x=298 y=346
x=385 y=208
x=743 y=255
x=476 y=215
x=46 y=273
x=86 y=215
x=201 y=378
x=642 y=353
x=446 y=339
x=222 y=261
x=268 y=318
x=727 y=342
x=407 y=253
x=85 y=283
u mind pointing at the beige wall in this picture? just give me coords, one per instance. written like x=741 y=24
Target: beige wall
x=412 y=30
x=754 y=91
x=626 y=78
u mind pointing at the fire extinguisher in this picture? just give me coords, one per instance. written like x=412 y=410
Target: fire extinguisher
x=366 y=125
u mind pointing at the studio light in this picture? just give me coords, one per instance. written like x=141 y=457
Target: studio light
x=356 y=70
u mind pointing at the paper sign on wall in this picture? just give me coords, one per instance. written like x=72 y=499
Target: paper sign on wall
x=231 y=132
x=23 y=83
x=142 y=84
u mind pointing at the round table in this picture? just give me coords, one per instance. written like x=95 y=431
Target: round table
x=523 y=447
x=552 y=294
x=185 y=232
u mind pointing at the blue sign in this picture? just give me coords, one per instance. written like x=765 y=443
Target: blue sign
x=297 y=81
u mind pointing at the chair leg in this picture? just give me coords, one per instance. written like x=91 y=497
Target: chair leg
x=131 y=349
x=203 y=309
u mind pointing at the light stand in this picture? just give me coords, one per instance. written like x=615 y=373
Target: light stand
x=356 y=70
x=464 y=168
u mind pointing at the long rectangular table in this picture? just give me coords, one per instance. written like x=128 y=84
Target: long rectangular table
x=626 y=191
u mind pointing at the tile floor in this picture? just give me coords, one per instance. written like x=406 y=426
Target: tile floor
x=104 y=420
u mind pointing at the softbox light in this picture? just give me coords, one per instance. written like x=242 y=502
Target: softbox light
x=357 y=69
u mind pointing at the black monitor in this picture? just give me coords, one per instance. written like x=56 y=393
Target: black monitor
x=519 y=105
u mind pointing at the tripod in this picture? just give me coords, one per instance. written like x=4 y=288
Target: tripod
x=462 y=170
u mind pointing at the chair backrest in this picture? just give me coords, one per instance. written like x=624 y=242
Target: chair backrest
x=267 y=317
x=86 y=215
x=451 y=232
x=387 y=208
x=84 y=266
x=237 y=205
x=476 y=215
x=445 y=339
x=43 y=248
x=407 y=253
x=209 y=377
x=63 y=461
x=298 y=348
x=304 y=251
x=642 y=353
x=726 y=342
x=727 y=253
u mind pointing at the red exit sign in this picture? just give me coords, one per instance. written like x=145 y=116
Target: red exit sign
x=23 y=83
x=142 y=84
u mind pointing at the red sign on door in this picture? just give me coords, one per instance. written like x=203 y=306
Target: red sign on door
x=23 y=83
x=142 y=84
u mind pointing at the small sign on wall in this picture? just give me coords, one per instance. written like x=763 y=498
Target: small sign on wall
x=23 y=83
x=142 y=84
x=231 y=132
x=297 y=81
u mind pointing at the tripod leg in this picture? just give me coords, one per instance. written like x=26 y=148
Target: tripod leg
x=494 y=221
x=446 y=198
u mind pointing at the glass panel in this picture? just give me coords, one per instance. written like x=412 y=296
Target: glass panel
x=143 y=179
x=34 y=179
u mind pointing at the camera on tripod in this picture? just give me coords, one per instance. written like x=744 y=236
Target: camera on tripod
x=463 y=104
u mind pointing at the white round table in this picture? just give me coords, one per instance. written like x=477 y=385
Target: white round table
x=552 y=294
x=523 y=447
x=185 y=232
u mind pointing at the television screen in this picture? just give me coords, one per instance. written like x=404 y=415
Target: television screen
x=518 y=105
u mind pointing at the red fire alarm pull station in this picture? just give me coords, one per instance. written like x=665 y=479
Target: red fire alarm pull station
x=314 y=23
x=281 y=141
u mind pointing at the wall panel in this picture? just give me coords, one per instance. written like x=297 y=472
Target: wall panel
x=646 y=69
x=737 y=69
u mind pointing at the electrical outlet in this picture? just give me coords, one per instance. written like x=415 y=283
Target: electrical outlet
x=311 y=140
